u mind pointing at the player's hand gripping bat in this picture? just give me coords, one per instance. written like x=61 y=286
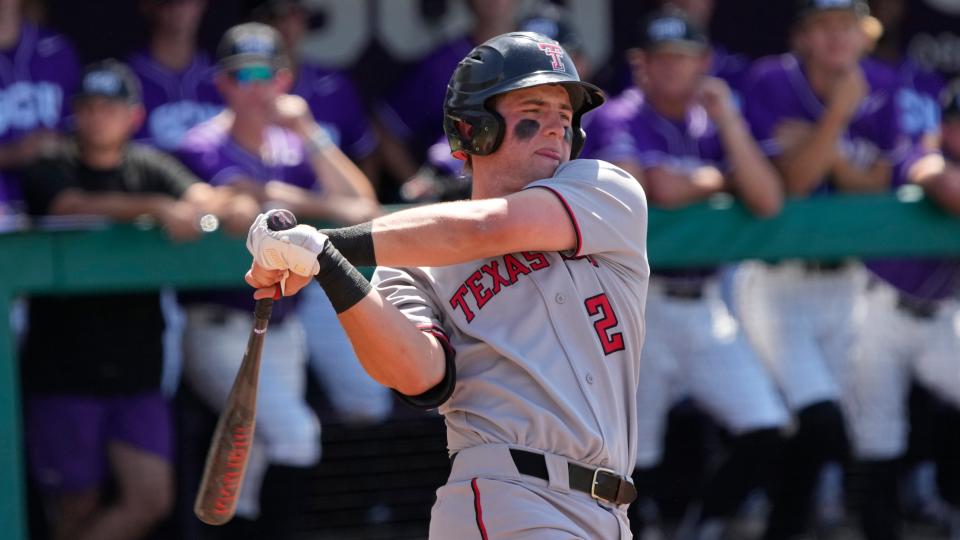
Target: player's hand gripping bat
x=229 y=449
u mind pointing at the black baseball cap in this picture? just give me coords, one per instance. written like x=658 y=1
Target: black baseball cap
x=806 y=8
x=670 y=26
x=553 y=22
x=251 y=44
x=950 y=101
x=109 y=79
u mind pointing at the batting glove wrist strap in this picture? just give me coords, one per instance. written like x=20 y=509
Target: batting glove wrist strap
x=342 y=282
x=354 y=243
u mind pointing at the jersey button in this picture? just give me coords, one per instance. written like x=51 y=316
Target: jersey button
x=560 y=298
x=589 y=378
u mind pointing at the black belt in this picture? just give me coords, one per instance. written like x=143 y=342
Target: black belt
x=820 y=267
x=602 y=484
x=921 y=308
x=684 y=290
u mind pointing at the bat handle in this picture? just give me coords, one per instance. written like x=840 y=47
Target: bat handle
x=264 y=307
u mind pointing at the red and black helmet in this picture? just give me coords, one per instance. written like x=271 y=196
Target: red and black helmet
x=502 y=64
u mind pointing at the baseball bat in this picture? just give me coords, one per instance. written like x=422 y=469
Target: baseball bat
x=229 y=450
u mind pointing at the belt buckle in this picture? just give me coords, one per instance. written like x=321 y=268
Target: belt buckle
x=593 y=484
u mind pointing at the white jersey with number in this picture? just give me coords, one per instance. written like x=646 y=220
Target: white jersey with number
x=547 y=344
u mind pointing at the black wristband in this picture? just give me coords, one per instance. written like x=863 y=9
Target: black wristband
x=342 y=282
x=355 y=243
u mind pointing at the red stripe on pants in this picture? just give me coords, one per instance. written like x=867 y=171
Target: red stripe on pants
x=478 y=510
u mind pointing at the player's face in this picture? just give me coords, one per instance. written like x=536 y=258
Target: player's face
x=538 y=133
x=105 y=123
x=672 y=73
x=832 y=40
x=252 y=91
x=9 y=9
x=180 y=16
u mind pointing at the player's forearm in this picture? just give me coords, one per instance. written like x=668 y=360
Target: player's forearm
x=668 y=189
x=390 y=348
x=804 y=166
x=340 y=175
x=118 y=206
x=853 y=179
x=457 y=232
x=757 y=182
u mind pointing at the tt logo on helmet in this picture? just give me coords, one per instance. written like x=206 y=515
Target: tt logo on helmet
x=555 y=52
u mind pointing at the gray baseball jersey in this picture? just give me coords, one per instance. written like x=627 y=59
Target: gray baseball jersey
x=547 y=344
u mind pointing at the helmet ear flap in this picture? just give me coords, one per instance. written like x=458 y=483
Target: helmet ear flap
x=579 y=138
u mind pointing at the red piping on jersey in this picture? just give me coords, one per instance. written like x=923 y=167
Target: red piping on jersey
x=573 y=217
x=438 y=333
x=478 y=511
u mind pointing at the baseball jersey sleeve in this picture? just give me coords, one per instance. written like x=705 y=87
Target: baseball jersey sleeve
x=42 y=181
x=163 y=173
x=409 y=291
x=761 y=108
x=608 y=209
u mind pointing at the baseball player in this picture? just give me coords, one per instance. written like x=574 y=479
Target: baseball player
x=177 y=79
x=38 y=71
x=909 y=327
x=680 y=131
x=523 y=322
x=267 y=147
x=829 y=124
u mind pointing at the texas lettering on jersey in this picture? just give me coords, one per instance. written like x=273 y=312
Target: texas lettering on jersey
x=502 y=272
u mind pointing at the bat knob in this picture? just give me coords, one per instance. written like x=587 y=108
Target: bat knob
x=281 y=219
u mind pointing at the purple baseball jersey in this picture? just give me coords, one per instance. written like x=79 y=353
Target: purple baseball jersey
x=917 y=98
x=414 y=110
x=336 y=106
x=175 y=100
x=213 y=155
x=37 y=76
x=628 y=130
x=776 y=90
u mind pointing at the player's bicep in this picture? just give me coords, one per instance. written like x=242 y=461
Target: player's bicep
x=538 y=220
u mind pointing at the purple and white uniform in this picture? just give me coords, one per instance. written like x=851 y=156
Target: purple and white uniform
x=908 y=328
x=799 y=315
x=337 y=107
x=175 y=100
x=694 y=347
x=917 y=98
x=413 y=111
x=37 y=76
x=218 y=322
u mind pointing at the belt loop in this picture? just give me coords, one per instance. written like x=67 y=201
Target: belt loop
x=558 y=473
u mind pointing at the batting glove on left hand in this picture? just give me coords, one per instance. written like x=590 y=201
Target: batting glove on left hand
x=293 y=249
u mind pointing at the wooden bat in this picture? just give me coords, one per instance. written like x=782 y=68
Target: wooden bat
x=230 y=447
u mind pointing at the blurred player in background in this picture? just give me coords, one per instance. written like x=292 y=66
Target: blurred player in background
x=680 y=132
x=731 y=67
x=442 y=177
x=267 y=146
x=337 y=109
x=830 y=125
x=177 y=79
x=410 y=115
x=92 y=363
x=40 y=72
x=909 y=328
x=333 y=100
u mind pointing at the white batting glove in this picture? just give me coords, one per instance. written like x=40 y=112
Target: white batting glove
x=293 y=249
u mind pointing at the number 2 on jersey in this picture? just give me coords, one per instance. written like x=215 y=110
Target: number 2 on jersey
x=610 y=341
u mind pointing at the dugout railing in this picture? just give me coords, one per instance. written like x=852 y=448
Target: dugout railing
x=130 y=257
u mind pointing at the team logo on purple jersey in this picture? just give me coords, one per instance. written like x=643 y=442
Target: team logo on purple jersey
x=555 y=52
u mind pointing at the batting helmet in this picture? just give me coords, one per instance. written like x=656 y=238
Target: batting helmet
x=505 y=63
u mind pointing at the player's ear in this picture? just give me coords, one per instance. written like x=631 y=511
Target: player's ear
x=137 y=116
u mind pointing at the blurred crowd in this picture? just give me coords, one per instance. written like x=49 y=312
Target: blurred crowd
x=801 y=370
